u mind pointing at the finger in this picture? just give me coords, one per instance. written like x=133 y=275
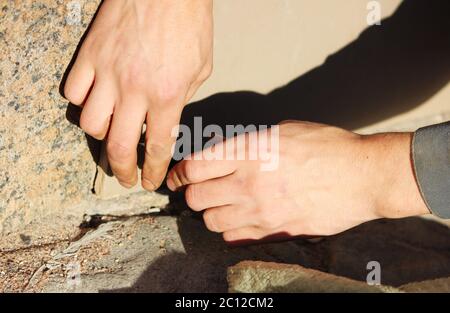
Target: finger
x=158 y=146
x=213 y=193
x=195 y=171
x=249 y=233
x=79 y=80
x=123 y=138
x=97 y=111
x=227 y=218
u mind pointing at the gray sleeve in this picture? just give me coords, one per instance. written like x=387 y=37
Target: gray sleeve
x=431 y=158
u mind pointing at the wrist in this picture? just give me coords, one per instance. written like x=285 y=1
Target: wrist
x=393 y=182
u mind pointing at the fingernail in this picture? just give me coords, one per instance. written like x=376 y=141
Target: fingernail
x=126 y=185
x=176 y=182
x=171 y=184
x=149 y=184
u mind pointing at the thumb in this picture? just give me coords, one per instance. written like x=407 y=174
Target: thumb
x=158 y=146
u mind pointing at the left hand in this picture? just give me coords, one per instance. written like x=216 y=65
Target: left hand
x=328 y=180
x=141 y=61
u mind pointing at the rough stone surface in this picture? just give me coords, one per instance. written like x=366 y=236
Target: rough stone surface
x=256 y=276
x=434 y=285
x=173 y=252
x=65 y=226
x=45 y=164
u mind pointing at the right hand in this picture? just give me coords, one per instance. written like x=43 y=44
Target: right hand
x=322 y=180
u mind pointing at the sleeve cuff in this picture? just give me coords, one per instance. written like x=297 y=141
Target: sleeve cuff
x=431 y=158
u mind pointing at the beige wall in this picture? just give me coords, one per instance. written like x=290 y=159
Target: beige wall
x=262 y=44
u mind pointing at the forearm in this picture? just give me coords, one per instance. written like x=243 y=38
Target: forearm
x=411 y=172
x=394 y=182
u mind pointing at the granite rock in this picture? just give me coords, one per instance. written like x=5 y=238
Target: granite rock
x=256 y=276
x=45 y=164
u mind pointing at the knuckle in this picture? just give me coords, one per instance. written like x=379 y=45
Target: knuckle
x=229 y=236
x=210 y=221
x=158 y=151
x=154 y=179
x=150 y=181
x=168 y=91
x=191 y=195
x=251 y=186
x=226 y=236
x=118 y=151
x=134 y=78
x=90 y=128
x=71 y=94
x=188 y=172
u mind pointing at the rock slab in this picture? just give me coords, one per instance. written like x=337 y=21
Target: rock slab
x=45 y=163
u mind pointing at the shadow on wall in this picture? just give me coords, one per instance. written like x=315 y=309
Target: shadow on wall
x=389 y=69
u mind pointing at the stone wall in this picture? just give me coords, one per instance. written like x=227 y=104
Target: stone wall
x=45 y=164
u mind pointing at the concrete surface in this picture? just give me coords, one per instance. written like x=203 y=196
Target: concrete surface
x=269 y=277
x=172 y=251
x=257 y=276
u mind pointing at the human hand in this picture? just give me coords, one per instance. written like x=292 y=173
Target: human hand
x=141 y=62
x=328 y=180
